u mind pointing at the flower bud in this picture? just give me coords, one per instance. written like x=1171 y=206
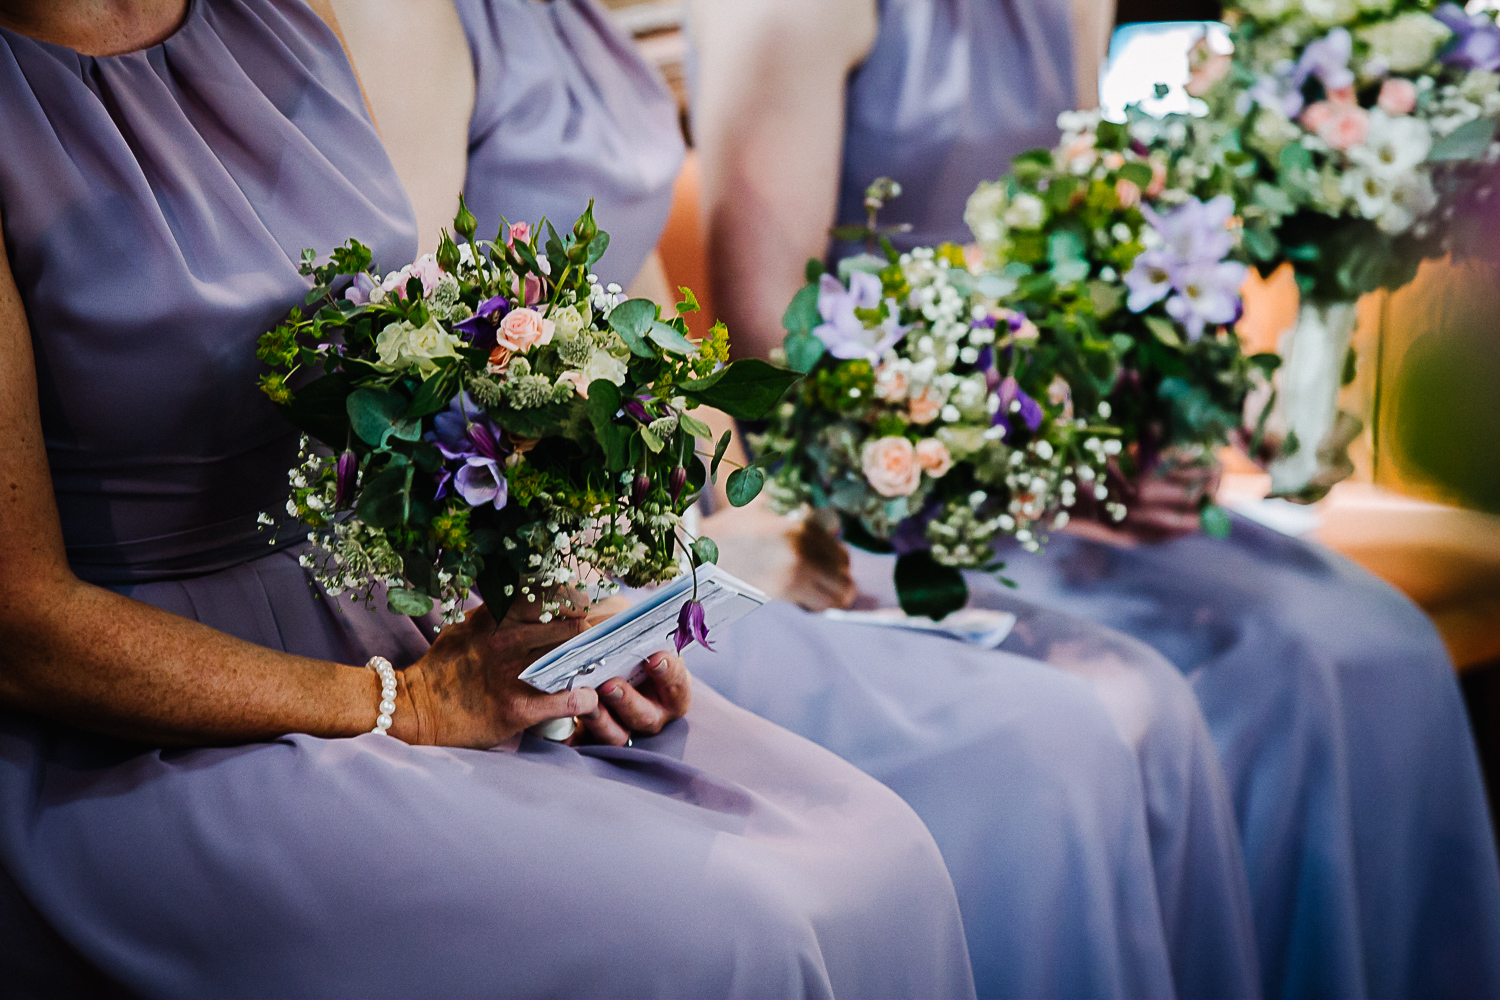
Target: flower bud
x=447 y=254
x=345 y=477
x=640 y=489
x=464 y=222
x=676 y=482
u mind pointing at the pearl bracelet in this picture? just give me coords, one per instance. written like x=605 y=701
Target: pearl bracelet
x=387 y=675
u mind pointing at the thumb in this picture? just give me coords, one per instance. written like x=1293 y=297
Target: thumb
x=543 y=707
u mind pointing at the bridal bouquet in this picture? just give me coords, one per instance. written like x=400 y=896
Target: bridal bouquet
x=1346 y=130
x=492 y=418
x=1107 y=247
x=931 y=419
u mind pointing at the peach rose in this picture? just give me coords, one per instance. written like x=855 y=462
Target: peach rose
x=891 y=383
x=933 y=457
x=890 y=464
x=1316 y=116
x=1158 y=179
x=1207 y=68
x=922 y=407
x=1397 y=97
x=1346 y=128
x=1128 y=192
x=1342 y=95
x=523 y=329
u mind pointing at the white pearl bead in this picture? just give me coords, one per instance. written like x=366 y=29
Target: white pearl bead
x=384 y=721
x=387 y=707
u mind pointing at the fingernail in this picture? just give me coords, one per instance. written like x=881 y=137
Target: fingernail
x=657 y=665
x=614 y=691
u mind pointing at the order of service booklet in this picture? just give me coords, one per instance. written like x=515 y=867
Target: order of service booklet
x=619 y=647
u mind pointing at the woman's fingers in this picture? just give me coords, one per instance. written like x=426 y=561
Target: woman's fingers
x=673 y=683
x=604 y=728
x=631 y=709
x=538 y=707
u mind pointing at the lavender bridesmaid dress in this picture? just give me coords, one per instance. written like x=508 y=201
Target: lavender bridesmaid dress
x=154 y=208
x=1330 y=697
x=566 y=110
x=1076 y=861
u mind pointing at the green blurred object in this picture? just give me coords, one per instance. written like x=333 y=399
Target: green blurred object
x=1447 y=419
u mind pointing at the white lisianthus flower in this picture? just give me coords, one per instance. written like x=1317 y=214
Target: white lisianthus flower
x=402 y=345
x=602 y=364
x=1370 y=190
x=1405 y=44
x=1027 y=211
x=1393 y=146
x=1411 y=198
x=984 y=212
x=572 y=321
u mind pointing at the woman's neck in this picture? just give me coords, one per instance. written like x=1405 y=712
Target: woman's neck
x=95 y=27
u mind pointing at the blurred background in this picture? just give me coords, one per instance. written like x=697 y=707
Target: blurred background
x=1423 y=508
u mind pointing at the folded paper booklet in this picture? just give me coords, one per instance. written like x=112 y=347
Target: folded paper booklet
x=619 y=647
x=975 y=626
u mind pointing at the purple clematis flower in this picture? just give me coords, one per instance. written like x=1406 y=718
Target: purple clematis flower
x=1150 y=279
x=636 y=407
x=463 y=433
x=346 y=473
x=691 y=627
x=1328 y=60
x=1476 y=39
x=1015 y=402
x=842 y=331
x=481 y=327
x=1207 y=293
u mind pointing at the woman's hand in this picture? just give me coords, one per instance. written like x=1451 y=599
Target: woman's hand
x=1160 y=506
x=466 y=691
x=625 y=710
x=820 y=578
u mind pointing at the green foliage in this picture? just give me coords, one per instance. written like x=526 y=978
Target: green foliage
x=927 y=588
x=746 y=390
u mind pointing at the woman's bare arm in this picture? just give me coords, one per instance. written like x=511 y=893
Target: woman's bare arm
x=768 y=118
x=1093 y=24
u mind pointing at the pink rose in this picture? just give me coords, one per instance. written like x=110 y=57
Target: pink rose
x=933 y=457
x=576 y=380
x=1128 y=192
x=1208 y=68
x=428 y=270
x=1342 y=95
x=1158 y=179
x=922 y=408
x=523 y=329
x=1397 y=97
x=890 y=464
x=891 y=383
x=1317 y=115
x=529 y=292
x=973 y=256
x=1346 y=127
x=518 y=231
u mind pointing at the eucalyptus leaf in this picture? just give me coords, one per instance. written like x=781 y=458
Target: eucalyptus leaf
x=706 y=550
x=696 y=427
x=723 y=446
x=802 y=314
x=744 y=485
x=597 y=246
x=746 y=390
x=669 y=338
x=803 y=351
x=1467 y=142
x=1215 y=521
x=409 y=602
x=376 y=417
x=632 y=320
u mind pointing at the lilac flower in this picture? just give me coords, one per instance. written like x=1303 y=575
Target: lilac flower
x=691 y=627
x=842 y=331
x=1476 y=39
x=346 y=473
x=1328 y=60
x=1150 y=280
x=1274 y=92
x=1013 y=400
x=480 y=328
x=1196 y=230
x=1206 y=293
x=464 y=433
x=359 y=291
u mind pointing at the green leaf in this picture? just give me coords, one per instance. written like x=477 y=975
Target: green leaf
x=706 y=550
x=802 y=313
x=632 y=320
x=803 y=351
x=696 y=427
x=813 y=270
x=1467 y=142
x=927 y=588
x=534 y=422
x=320 y=409
x=1164 y=330
x=408 y=602
x=376 y=417
x=597 y=246
x=652 y=441
x=746 y=390
x=669 y=338
x=494 y=578
x=382 y=501
x=689 y=303
x=1138 y=174
x=723 y=446
x=744 y=485
x=1215 y=521
x=434 y=394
